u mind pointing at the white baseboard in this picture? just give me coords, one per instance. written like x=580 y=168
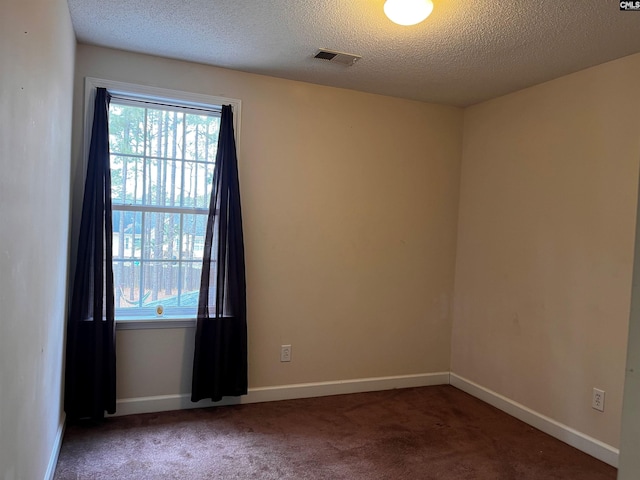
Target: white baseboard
x=576 y=439
x=55 y=451
x=161 y=403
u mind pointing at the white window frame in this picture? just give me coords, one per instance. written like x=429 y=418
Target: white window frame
x=155 y=94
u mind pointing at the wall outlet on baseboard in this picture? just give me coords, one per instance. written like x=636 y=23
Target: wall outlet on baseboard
x=597 y=400
x=285 y=353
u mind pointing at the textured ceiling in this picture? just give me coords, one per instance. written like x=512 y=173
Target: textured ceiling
x=465 y=52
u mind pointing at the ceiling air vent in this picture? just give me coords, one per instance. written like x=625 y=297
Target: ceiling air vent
x=347 y=59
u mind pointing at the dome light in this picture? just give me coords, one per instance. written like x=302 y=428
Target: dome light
x=408 y=12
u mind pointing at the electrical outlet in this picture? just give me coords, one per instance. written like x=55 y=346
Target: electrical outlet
x=285 y=353
x=597 y=400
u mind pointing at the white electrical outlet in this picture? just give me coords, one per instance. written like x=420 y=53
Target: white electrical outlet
x=285 y=353
x=597 y=401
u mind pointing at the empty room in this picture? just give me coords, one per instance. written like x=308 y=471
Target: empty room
x=328 y=239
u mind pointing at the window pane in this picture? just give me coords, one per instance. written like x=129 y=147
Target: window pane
x=193 y=232
x=117 y=179
x=154 y=185
x=174 y=135
x=190 y=284
x=156 y=289
x=197 y=185
x=155 y=132
x=201 y=137
x=126 y=274
x=127 y=228
x=126 y=129
x=127 y=179
x=173 y=184
x=161 y=236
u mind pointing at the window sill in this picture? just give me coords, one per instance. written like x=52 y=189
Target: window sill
x=153 y=324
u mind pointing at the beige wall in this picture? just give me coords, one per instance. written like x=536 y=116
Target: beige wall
x=545 y=244
x=350 y=207
x=37 y=48
x=630 y=440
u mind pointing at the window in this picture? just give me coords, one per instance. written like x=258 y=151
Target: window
x=162 y=161
x=163 y=146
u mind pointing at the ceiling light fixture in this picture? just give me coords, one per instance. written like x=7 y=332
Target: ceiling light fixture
x=408 y=12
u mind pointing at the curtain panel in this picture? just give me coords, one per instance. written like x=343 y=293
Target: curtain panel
x=90 y=377
x=220 y=358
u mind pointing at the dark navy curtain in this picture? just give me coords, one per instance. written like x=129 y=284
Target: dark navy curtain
x=220 y=359
x=90 y=378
